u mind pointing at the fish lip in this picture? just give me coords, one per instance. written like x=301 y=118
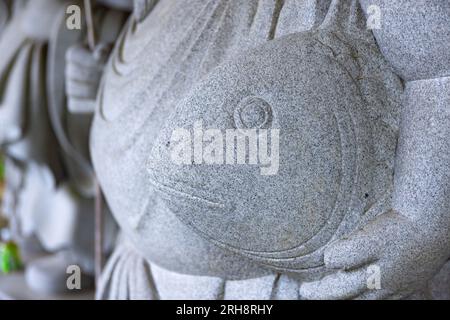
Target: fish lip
x=167 y=190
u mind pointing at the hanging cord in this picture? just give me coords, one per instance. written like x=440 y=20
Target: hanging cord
x=98 y=192
x=89 y=24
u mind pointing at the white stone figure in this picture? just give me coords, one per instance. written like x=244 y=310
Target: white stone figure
x=333 y=211
x=52 y=199
x=30 y=146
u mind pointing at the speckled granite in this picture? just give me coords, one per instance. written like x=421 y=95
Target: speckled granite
x=336 y=96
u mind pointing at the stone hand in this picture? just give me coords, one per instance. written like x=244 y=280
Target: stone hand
x=83 y=73
x=400 y=251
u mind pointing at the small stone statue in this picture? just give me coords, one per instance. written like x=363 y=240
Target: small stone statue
x=362 y=179
x=51 y=199
x=27 y=144
x=5 y=12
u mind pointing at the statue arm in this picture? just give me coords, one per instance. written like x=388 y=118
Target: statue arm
x=415 y=38
x=409 y=244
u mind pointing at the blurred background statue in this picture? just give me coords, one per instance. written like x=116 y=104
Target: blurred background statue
x=50 y=184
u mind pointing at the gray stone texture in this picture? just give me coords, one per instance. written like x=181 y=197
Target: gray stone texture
x=336 y=91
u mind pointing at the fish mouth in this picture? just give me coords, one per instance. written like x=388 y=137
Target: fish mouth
x=167 y=190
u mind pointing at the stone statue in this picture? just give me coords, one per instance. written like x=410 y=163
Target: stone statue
x=50 y=181
x=353 y=179
x=32 y=168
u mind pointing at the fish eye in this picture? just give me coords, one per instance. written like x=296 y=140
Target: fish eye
x=253 y=113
